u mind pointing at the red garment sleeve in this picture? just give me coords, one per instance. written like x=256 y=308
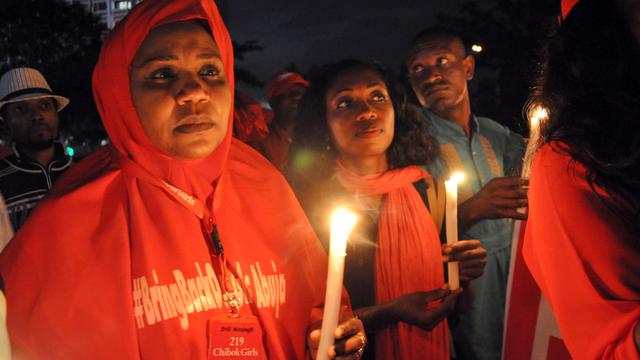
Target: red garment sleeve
x=585 y=260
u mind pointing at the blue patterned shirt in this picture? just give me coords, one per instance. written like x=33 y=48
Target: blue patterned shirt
x=492 y=151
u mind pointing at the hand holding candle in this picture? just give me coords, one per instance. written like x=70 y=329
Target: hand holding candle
x=342 y=222
x=451 y=215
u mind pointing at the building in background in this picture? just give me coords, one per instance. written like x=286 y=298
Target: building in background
x=112 y=11
x=109 y=11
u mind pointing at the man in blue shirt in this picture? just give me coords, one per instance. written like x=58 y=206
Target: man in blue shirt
x=438 y=70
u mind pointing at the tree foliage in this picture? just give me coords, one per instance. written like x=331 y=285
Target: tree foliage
x=240 y=50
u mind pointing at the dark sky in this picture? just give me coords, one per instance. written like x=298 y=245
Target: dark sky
x=308 y=32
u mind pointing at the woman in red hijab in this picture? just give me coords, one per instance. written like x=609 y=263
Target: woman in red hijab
x=358 y=127
x=582 y=241
x=145 y=247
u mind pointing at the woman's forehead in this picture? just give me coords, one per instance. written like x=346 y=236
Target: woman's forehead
x=167 y=39
x=357 y=76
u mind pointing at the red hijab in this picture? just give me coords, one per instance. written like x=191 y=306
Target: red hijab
x=114 y=265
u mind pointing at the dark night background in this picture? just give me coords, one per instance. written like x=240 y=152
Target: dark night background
x=63 y=41
x=318 y=32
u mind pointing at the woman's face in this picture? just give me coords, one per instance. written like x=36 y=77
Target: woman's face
x=360 y=114
x=180 y=90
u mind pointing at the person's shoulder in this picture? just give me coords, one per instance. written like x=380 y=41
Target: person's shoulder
x=553 y=154
x=248 y=166
x=13 y=176
x=5 y=163
x=87 y=183
x=9 y=161
x=425 y=114
x=417 y=109
x=554 y=165
x=488 y=124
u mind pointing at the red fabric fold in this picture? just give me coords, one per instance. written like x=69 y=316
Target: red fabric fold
x=110 y=266
x=585 y=259
x=566 y=6
x=408 y=258
x=249 y=119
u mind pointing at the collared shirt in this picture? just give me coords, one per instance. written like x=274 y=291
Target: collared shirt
x=24 y=181
x=491 y=151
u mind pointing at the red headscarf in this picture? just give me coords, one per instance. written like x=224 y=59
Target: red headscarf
x=114 y=264
x=249 y=119
x=566 y=7
x=408 y=258
x=280 y=83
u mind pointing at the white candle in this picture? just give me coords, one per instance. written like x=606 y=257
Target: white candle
x=5 y=344
x=536 y=115
x=451 y=214
x=342 y=222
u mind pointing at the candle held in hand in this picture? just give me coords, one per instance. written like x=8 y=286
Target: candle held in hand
x=451 y=215
x=342 y=222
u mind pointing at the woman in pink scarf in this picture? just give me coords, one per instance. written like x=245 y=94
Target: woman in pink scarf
x=355 y=143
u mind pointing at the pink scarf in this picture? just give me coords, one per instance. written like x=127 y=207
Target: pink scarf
x=408 y=258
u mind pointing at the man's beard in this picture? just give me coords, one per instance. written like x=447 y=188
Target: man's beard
x=40 y=144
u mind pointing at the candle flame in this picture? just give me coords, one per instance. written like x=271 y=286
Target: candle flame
x=538 y=114
x=457 y=177
x=342 y=222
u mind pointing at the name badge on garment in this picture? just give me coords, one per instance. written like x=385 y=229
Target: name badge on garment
x=235 y=337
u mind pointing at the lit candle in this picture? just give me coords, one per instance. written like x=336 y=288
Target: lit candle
x=342 y=222
x=537 y=115
x=451 y=214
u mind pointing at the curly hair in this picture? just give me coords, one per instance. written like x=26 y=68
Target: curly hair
x=591 y=84
x=313 y=154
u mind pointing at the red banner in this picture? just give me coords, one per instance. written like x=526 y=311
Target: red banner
x=530 y=330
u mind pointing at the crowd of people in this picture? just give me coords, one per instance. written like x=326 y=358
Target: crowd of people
x=205 y=220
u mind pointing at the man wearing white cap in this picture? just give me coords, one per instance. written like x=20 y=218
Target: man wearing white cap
x=29 y=109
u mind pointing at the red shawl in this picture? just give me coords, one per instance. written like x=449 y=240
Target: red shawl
x=408 y=258
x=110 y=266
x=584 y=258
x=249 y=120
x=280 y=83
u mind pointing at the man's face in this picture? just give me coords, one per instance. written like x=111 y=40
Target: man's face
x=32 y=123
x=438 y=73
